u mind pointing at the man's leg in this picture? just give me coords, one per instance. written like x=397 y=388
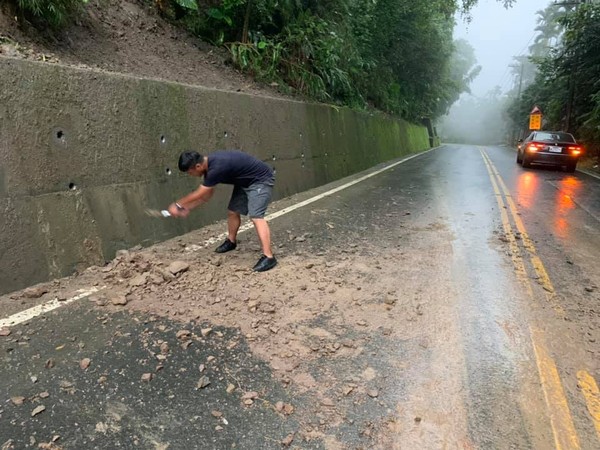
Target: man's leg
x=233 y=225
x=237 y=205
x=264 y=235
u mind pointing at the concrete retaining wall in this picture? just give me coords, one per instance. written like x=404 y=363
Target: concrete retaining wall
x=82 y=153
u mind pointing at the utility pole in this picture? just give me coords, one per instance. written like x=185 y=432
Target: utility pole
x=521 y=80
x=516 y=132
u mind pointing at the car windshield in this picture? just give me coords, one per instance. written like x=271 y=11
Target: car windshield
x=562 y=137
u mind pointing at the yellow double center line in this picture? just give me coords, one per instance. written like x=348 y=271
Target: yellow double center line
x=565 y=435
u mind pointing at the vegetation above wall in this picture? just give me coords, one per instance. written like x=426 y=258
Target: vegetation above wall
x=394 y=55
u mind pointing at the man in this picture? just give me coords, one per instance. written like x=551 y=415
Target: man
x=252 y=182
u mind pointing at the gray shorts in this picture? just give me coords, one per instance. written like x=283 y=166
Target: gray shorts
x=252 y=200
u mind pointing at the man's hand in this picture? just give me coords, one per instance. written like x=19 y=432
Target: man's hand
x=177 y=211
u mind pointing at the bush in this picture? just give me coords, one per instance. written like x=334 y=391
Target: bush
x=56 y=13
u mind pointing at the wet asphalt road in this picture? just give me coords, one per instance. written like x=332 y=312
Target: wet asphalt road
x=523 y=313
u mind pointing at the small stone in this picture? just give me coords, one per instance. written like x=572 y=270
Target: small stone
x=17 y=401
x=267 y=308
x=147 y=377
x=210 y=358
x=140 y=280
x=288 y=409
x=50 y=363
x=248 y=402
x=250 y=395
x=35 y=292
x=206 y=331
x=203 y=382
x=5 y=332
x=373 y=393
x=418 y=419
x=348 y=390
x=164 y=348
x=230 y=388
x=44 y=394
x=218 y=428
x=178 y=267
x=38 y=410
x=389 y=300
x=589 y=289
x=85 y=363
x=287 y=441
x=216 y=414
x=118 y=300
x=327 y=402
x=183 y=335
x=201 y=368
x=34 y=379
x=103 y=379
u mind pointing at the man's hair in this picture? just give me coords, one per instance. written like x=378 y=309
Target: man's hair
x=187 y=160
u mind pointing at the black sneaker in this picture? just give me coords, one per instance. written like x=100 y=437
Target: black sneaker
x=264 y=264
x=226 y=246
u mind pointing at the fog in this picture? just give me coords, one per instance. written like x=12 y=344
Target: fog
x=497 y=35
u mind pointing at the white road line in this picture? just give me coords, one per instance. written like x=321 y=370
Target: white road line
x=289 y=209
x=36 y=311
x=590 y=173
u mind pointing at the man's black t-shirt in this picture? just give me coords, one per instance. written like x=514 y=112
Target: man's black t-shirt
x=237 y=168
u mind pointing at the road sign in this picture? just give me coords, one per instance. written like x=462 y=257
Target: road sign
x=535 y=118
x=535 y=121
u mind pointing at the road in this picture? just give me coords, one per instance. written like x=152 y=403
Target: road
x=448 y=301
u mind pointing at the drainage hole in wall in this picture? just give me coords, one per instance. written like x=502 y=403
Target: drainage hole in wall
x=168 y=171
x=225 y=134
x=274 y=170
x=163 y=139
x=302 y=155
x=60 y=134
x=72 y=186
x=273 y=158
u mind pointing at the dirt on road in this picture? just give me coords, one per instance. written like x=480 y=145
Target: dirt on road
x=332 y=321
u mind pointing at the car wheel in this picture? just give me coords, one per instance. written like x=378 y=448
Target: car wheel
x=526 y=162
x=519 y=158
x=571 y=167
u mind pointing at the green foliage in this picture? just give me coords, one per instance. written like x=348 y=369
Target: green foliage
x=56 y=13
x=395 y=55
x=188 y=4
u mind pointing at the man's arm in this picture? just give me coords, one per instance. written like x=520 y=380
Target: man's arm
x=182 y=206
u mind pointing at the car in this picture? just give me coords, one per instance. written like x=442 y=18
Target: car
x=550 y=148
